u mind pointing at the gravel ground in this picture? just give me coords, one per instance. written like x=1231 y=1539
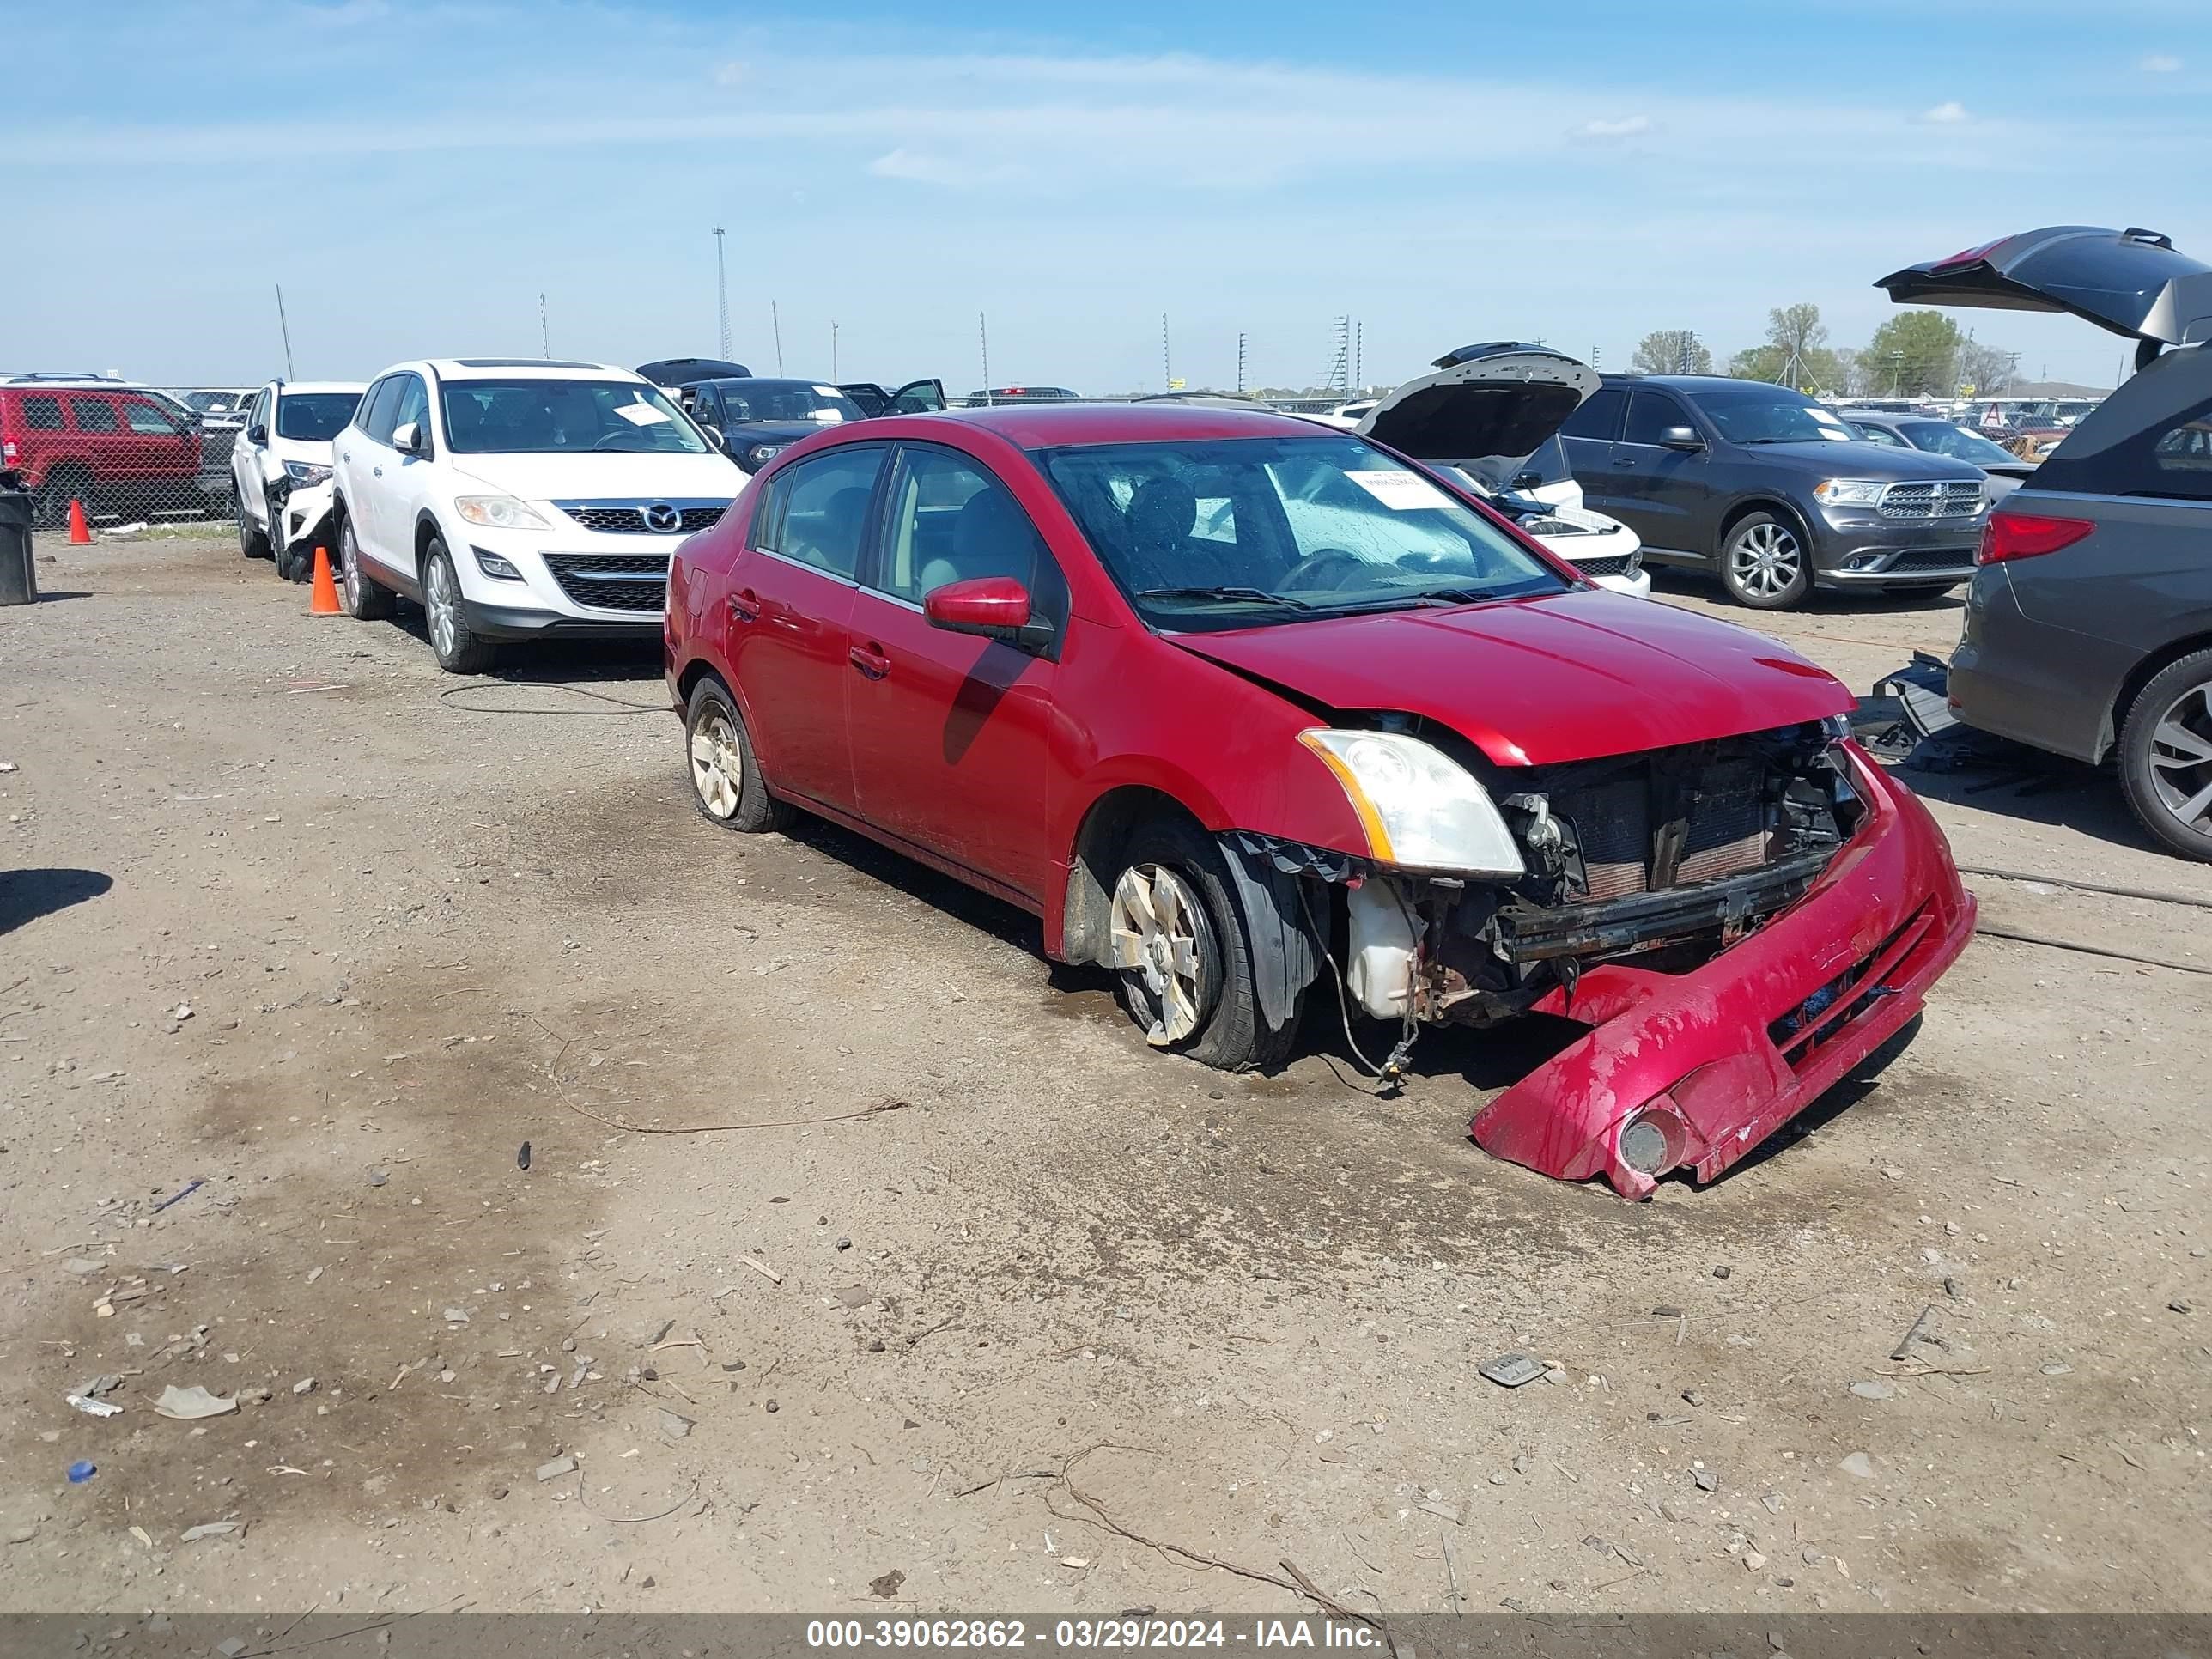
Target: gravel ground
x=304 y=943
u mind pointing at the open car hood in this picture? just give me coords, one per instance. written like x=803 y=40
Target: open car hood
x=1577 y=675
x=2132 y=282
x=1499 y=399
x=682 y=371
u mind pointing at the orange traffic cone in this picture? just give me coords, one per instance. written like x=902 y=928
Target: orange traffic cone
x=79 y=535
x=323 y=600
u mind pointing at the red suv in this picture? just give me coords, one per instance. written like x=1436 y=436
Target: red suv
x=1245 y=710
x=107 y=447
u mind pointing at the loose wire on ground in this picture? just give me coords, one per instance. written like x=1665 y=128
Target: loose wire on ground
x=622 y=705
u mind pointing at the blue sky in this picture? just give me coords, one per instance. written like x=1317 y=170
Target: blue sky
x=417 y=173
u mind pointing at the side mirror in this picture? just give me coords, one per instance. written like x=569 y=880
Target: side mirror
x=996 y=607
x=715 y=436
x=1680 y=437
x=257 y=434
x=1531 y=479
x=407 y=438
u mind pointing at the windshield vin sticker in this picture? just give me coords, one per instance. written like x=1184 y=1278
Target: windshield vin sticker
x=1402 y=492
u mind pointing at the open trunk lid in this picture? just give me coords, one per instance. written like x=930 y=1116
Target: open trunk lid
x=1504 y=398
x=2132 y=282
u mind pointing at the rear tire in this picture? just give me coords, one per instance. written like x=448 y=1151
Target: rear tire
x=2166 y=755
x=251 y=543
x=458 y=648
x=726 y=785
x=1215 y=1018
x=1766 y=564
x=364 y=599
x=50 y=509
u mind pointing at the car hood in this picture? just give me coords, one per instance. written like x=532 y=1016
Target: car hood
x=593 y=477
x=1500 y=400
x=747 y=433
x=2132 y=282
x=1572 y=676
x=1858 y=458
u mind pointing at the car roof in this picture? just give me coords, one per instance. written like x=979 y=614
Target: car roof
x=522 y=368
x=323 y=385
x=1686 y=382
x=1044 y=425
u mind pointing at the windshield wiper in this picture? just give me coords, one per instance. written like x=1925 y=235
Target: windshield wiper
x=1251 y=595
x=1430 y=596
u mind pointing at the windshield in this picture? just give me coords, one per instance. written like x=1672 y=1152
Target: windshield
x=1751 y=414
x=218 y=403
x=560 y=417
x=1237 y=532
x=787 y=400
x=315 y=417
x=1942 y=438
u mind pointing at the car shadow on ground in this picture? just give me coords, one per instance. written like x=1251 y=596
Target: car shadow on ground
x=1854 y=1086
x=2038 y=788
x=1685 y=583
x=26 y=894
x=548 y=662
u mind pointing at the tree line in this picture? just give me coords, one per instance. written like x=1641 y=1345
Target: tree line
x=1913 y=353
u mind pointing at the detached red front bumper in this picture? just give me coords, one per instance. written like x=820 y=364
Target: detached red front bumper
x=1696 y=1069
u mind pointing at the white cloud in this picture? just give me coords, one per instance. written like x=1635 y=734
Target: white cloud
x=1949 y=114
x=921 y=167
x=733 y=74
x=1626 y=127
x=2159 y=63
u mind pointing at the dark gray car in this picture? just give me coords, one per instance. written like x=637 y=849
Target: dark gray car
x=2089 y=624
x=2002 y=471
x=1770 y=490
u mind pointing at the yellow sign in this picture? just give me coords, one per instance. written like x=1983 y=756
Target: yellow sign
x=1177 y=384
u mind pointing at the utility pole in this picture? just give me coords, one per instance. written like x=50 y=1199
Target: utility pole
x=545 y=339
x=832 y=350
x=983 y=339
x=721 y=296
x=1240 y=360
x=287 y=330
x=1358 y=344
x=776 y=323
x=1595 y=352
x=1167 y=362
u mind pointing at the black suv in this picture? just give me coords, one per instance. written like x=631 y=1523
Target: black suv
x=1764 y=486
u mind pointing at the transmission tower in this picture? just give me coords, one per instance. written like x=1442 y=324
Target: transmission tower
x=1338 y=375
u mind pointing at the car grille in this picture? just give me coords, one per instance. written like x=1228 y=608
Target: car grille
x=1933 y=560
x=1724 y=829
x=628 y=518
x=612 y=581
x=1618 y=564
x=1949 y=499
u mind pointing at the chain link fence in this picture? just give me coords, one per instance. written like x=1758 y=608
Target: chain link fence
x=123 y=455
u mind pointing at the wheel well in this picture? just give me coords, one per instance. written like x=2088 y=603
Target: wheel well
x=1113 y=818
x=688 y=681
x=1743 y=510
x=426 y=531
x=2140 y=676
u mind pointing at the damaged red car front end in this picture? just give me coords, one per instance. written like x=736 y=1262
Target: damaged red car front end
x=1694 y=1069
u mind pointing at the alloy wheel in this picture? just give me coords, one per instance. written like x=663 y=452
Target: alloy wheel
x=349 y=559
x=2181 y=759
x=718 y=769
x=439 y=590
x=1160 y=942
x=1765 y=560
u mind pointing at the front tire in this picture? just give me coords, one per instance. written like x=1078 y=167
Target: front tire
x=726 y=785
x=365 y=599
x=1766 y=564
x=2166 y=755
x=458 y=648
x=1179 y=941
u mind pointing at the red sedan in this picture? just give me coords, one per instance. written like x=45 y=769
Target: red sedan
x=1249 y=710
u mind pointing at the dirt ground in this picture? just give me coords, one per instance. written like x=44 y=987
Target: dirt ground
x=302 y=943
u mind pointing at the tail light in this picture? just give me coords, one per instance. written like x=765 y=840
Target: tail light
x=2026 y=535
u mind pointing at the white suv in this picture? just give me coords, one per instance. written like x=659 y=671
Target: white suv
x=517 y=498
x=286 y=446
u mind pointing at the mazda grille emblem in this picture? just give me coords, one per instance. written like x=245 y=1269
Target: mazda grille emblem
x=663 y=518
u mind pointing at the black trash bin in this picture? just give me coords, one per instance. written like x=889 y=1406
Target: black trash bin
x=19 y=577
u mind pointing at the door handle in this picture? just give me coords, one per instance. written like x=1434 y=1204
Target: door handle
x=746 y=606
x=378 y=470
x=870 y=661
x=1625 y=463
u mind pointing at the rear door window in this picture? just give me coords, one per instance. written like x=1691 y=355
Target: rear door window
x=42 y=414
x=820 y=515
x=1598 y=415
x=94 y=414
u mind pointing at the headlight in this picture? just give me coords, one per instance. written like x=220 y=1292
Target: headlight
x=305 y=472
x=498 y=512
x=1850 y=492
x=761 y=455
x=1420 y=807
x=1837 y=727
